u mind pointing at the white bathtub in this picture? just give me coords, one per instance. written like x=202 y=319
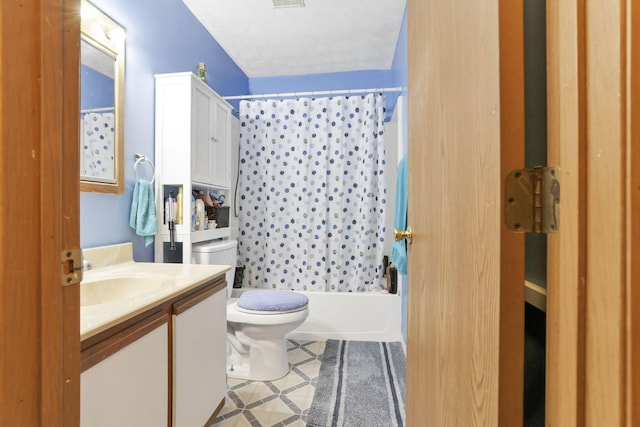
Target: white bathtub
x=367 y=316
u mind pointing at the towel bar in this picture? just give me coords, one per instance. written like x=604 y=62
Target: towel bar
x=139 y=159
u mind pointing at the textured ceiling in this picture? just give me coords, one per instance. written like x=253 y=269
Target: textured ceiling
x=324 y=36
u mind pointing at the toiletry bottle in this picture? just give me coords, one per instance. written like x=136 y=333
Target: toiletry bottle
x=393 y=279
x=202 y=71
x=174 y=209
x=193 y=214
x=200 y=214
x=179 y=210
x=166 y=210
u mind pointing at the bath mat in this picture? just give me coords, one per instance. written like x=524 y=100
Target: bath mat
x=361 y=383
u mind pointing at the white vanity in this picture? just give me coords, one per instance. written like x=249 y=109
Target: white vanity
x=153 y=341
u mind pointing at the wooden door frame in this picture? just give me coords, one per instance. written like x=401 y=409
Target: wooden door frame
x=593 y=310
x=633 y=218
x=566 y=250
x=39 y=212
x=512 y=254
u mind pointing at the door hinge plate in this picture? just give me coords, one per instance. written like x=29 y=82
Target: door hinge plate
x=531 y=200
x=71 y=266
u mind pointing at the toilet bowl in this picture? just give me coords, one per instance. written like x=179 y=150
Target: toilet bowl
x=257 y=347
x=257 y=322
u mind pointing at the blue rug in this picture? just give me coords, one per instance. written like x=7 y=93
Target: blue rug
x=361 y=384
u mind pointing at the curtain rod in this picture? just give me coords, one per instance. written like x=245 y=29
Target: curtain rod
x=315 y=93
x=97 y=110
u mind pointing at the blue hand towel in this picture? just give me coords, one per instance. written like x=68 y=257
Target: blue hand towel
x=143 y=211
x=399 y=249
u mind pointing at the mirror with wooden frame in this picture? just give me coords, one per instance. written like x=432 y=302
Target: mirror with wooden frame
x=101 y=102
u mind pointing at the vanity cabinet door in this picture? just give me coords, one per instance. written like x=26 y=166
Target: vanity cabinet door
x=199 y=357
x=130 y=388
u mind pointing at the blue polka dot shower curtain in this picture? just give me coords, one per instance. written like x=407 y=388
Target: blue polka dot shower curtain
x=97 y=138
x=312 y=193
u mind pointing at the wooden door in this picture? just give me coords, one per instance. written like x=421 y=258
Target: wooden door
x=466 y=275
x=458 y=306
x=39 y=212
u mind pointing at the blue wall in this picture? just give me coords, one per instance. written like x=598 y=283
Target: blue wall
x=328 y=81
x=399 y=70
x=162 y=37
x=101 y=94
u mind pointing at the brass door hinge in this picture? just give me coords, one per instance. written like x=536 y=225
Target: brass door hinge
x=531 y=200
x=71 y=266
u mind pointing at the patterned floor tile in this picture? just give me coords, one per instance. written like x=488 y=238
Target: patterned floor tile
x=242 y=421
x=288 y=381
x=298 y=355
x=270 y=417
x=311 y=369
x=302 y=397
x=229 y=422
x=281 y=403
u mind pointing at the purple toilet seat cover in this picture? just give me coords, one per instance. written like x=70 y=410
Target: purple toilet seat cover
x=271 y=300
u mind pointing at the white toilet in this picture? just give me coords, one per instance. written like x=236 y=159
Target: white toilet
x=257 y=322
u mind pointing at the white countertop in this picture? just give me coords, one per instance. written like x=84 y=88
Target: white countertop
x=175 y=278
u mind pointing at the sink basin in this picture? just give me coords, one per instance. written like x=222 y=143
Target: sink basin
x=104 y=290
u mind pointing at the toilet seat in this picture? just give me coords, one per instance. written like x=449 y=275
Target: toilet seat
x=268 y=313
x=271 y=301
x=236 y=315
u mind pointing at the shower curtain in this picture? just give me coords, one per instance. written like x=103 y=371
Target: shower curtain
x=97 y=138
x=312 y=193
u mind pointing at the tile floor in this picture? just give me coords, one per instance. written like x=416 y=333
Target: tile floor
x=279 y=403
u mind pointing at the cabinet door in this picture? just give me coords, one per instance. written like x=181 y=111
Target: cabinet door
x=220 y=163
x=129 y=388
x=199 y=364
x=202 y=135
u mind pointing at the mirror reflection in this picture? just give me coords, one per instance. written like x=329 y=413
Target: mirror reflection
x=102 y=88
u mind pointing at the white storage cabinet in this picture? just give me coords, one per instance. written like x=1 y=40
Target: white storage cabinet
x=193 y=139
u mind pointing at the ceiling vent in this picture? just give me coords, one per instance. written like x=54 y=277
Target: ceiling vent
x=288 y=3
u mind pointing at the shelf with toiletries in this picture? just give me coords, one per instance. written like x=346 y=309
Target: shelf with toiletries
x=193 y=137
x=197 y=216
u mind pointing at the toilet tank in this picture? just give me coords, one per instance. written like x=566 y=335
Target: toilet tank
x=217 y=252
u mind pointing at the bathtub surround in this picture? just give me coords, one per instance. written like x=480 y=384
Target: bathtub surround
x=361 y=383
x=312 y=193
x=357 y=316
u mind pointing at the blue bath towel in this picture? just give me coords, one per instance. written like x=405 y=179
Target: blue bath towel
x=399 y=249
x=143 y=211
